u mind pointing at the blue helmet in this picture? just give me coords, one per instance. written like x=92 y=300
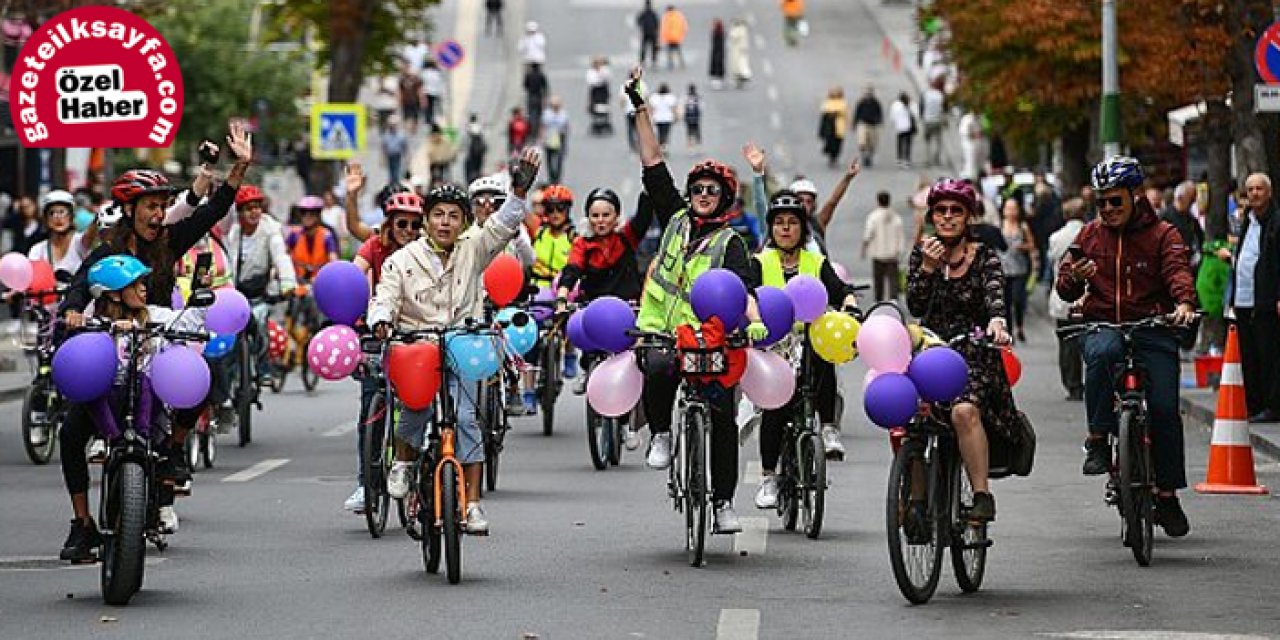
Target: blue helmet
x=1117 y=172
x=114 y=273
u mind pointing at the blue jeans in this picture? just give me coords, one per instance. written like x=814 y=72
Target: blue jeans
x=468 y=441
x=1156 y=350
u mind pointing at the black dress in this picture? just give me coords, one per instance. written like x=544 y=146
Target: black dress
x=717 y=54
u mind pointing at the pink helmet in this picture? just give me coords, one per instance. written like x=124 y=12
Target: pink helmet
x=308 y=203
x=952 y=189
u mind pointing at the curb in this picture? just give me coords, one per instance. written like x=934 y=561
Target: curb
x=1204 y=416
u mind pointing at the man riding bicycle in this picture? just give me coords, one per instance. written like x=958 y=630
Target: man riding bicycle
x=1129 y=265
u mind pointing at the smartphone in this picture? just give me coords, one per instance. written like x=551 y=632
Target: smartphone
x=1076 y=253
x=208 y=151
x=204 y=262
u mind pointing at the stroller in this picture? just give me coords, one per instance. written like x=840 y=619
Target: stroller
x=598 y=108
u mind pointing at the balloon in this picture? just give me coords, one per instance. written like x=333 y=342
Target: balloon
x=577 y=334
x=615 y=385
x=334 y=353
x=341 y=292
x=940 y=374
x=543 y=312
x=833 y=335
x=1012 y=365
x=473 y=357
x=887 y=309
x=180 y=378
x=42 y=279
x=219 y=344
x=917 y=336
x=891 y=400
x=769 y=380
x=808 y=296
x=606 y=323
x=872 y=374
x=84 y=367
x=277 y=340
x=414 y=371
x=777 y=313
x=15 y=271
x=884 y=344
x=719 y=293
x=176 y=300
x=842 y=272
x=522 y=337
x=229 y=313
x=504 y=279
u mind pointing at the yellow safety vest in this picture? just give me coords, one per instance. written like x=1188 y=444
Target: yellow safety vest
x=665 y=302
x=552 y=254
x=771 y=266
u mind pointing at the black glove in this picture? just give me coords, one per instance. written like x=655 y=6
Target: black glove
x=634 y=91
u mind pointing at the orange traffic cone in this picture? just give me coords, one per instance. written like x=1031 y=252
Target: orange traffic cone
x=1230 y=451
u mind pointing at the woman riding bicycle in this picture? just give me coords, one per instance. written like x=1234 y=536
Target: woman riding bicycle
x=955 y=284
x=783 y=258
x=311 y=245
x=65 y=248
x=435 y=282
x=552 y=244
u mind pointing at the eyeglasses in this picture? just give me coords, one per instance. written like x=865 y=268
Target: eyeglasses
x=403 y=224
x=488 y=201
x=709 y=189
x=558 y=206
x=58 y=213
x=1114 y=202
x=954 y=211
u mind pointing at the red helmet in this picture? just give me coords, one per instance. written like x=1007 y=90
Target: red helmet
x=952 y=189
x=135 y=183
x=404 y=202
x=719 y=171
x=248 y=193
x=557 y=193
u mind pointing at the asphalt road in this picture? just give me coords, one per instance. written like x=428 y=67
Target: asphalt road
x=576 y=553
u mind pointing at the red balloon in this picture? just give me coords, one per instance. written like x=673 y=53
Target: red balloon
x=504 y=279
x=1012 y=365
x=414 y=370
x=42 y=280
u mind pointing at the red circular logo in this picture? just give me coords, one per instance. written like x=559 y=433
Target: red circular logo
x=96 y=77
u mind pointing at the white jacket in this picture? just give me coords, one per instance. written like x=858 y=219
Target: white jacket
x=269 y=253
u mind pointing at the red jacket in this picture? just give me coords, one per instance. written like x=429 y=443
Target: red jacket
x=1143 y=269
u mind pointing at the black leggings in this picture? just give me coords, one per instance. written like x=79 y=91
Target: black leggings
x=78 y=428
x=772 y=422
x=660 y=399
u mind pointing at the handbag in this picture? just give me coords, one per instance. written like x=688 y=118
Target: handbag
x=1014 y=454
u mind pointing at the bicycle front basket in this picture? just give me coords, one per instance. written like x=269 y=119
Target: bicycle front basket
x=703 y=362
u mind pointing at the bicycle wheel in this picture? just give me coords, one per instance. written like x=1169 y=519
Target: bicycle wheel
x=1137 y=503
x=495 y=429
x=35 y=413
x=597 y=439
x=969 y=541
x=191 y=448
x=813 y=484
x=431 y=550
x=697 y=493
x=788 y=479
x=209 y=447
x=916 y=564
x=244 y=392
x=451 y=523
x=551 y=363
x=620 y=426
x=309 y=378
x=377 y=502
x=125 y=548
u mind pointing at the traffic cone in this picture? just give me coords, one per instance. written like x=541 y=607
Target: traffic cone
x=1230 y=451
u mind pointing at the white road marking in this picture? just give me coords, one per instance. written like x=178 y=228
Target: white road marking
x=754 y=536
x=738 y=624
x=256 y=470
x=767 y=66
x=1149 y=635
x=773 y=93
x=340 y=430
x=759 y=41
x=775 y=120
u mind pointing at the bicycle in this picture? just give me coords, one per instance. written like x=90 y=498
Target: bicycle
x=606 y=435
x=802 y=464
x=43 y=409
x=201 y=445
x=302 y=322
x=928 y=503
x=550 y=376
x=247 y=379
x=491 y=404
x=379 y=421
x=1131 y=478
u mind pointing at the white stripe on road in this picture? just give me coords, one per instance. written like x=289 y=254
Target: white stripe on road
x=1147 y=635
x=775 y=120
x=340 y=430
x=1234 y=433
x=256 y=470
x=754 y=536
x=773 y=93
x=768 y=67
x=759 y=41
x=738 y=624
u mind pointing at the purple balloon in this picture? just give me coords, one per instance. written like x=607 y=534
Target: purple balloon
x=577 y=336
x=940 y=374
x=180 y=377
x=229 y=313
x=719 y=293
x=606 y=322
x=341 y=291
x=808 y=296
x=777 y=313
x=84 y=367
x=891 y=400
x=542 y=312
x=176 y=301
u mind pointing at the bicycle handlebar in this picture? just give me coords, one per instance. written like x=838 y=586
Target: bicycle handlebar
x=149 y=330
x=1077 y=331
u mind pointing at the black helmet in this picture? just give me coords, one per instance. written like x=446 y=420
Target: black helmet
x=449 y=193
x=602 y=193
x=787 y=201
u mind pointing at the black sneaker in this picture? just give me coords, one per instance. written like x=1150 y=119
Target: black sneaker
x=1170 y=516
x=1097 y=457
x=915 y=523
x=81 y=542
x=984 y=507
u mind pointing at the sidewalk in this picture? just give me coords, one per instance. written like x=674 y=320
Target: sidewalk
x=1200 y=405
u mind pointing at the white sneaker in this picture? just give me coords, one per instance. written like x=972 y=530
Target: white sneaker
x=398 y=480
x=356 y=501
x=831 y=443
x=97 y=451
x=633 y=439
x=477 y=524
x=168 y=520
x=659 y=451
x=767 y=494
x=726 y=518
x=39 y=435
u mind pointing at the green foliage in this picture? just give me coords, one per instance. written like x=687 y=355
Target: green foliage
x=383 y=26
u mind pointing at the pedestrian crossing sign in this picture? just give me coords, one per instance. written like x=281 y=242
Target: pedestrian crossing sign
x=337 y=130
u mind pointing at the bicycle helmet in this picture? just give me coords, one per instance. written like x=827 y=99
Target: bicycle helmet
x=57 y=196
x=309 y=203
x=602 y=193
x=386 y=192
x=784 y=201
x=722 y=173
x=114 y=273
x=952 y=189
x=804 y=185
x=557 y=193
x=248 y=193
x=1117 y=172
x=448 y=193
x=404 y=203
x=495 y=184
x=135 y=183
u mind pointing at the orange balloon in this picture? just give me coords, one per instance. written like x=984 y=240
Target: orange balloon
x=1012 y=365
x=504 y=279
x=414 y=371
x=42 y=280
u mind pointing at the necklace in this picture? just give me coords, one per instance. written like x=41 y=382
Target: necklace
x=955 y=264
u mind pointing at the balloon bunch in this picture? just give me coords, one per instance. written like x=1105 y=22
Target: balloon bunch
x=341 y=293
x=19 y=273
x=897 y=381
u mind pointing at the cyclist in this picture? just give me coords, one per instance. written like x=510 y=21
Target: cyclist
x=818 y=218
x=1132 y=265
x=551 y=246
x=783 y=259
x=65 y=248
x=435 y=282
x=141 y=195
x=312 y=245
x=696 y=237
x=955 y=283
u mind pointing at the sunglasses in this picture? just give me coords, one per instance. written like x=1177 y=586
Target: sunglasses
x=709 y=189
x=1114 y=202
x=403 y=224
x=558 y=206
x=954 y=211
x=488 y=201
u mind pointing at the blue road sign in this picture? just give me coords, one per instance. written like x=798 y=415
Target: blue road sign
x=449 y=54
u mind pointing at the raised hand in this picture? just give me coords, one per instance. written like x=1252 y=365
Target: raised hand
x=633 y=88
x=854 y=169
x=932 y=250
x=754 y=156
x=524 y=170
x=354 y=178
x=240 y=142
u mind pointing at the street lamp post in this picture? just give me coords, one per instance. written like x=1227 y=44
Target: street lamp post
x=1109 y=122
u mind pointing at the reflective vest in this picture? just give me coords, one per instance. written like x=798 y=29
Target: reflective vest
x=771 y=274
x=551 y=255
x=310 y=253
x=220 y=268
x=665 y=303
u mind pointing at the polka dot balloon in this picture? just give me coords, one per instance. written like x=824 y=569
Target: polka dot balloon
x=334 y=352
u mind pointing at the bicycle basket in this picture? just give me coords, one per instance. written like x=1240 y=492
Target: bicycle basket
x=703 y=362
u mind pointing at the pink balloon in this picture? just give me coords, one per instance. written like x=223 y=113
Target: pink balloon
x=615 y=385
x=769 y=381
x=884 y=344
x=334 y=352
x=15 y=271
x=841 y=271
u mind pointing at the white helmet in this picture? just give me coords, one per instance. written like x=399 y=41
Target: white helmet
x=57 y=196
x=495 y=183
x=805 y=185
x=109 y=214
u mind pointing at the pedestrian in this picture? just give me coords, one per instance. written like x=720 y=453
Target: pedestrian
x=884 y=241
x=441 y=152
x=416 y=54
x=1181 y=215
x=1253 y=294
x=433 y=90
x=1045 y=219
x=533 y=45
x=1089 y=198
x=740 y=53
x=793 y=21
x=662 y=108
x=648 y=23
x=1070 y=356
x=555 y=137
x=673 y=29
x=933 y=114
x=394 y=145
x=716 y=69
x=517 y=130
x=1211 y=288
x=904 y=127
x=386 y=100
x=334 y=217
x=24 y=225
x=536 y=89
x=833 y=124
x=473 y=163
x=629 y=112
x=493 y=17
x=868 y=115
x=302 y=161
x=598 y=94
x=970 y=130
x=410 y=88
x=691 y=110
x=1016 y=261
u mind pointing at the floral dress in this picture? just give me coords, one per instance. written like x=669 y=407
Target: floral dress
x=955 y=306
